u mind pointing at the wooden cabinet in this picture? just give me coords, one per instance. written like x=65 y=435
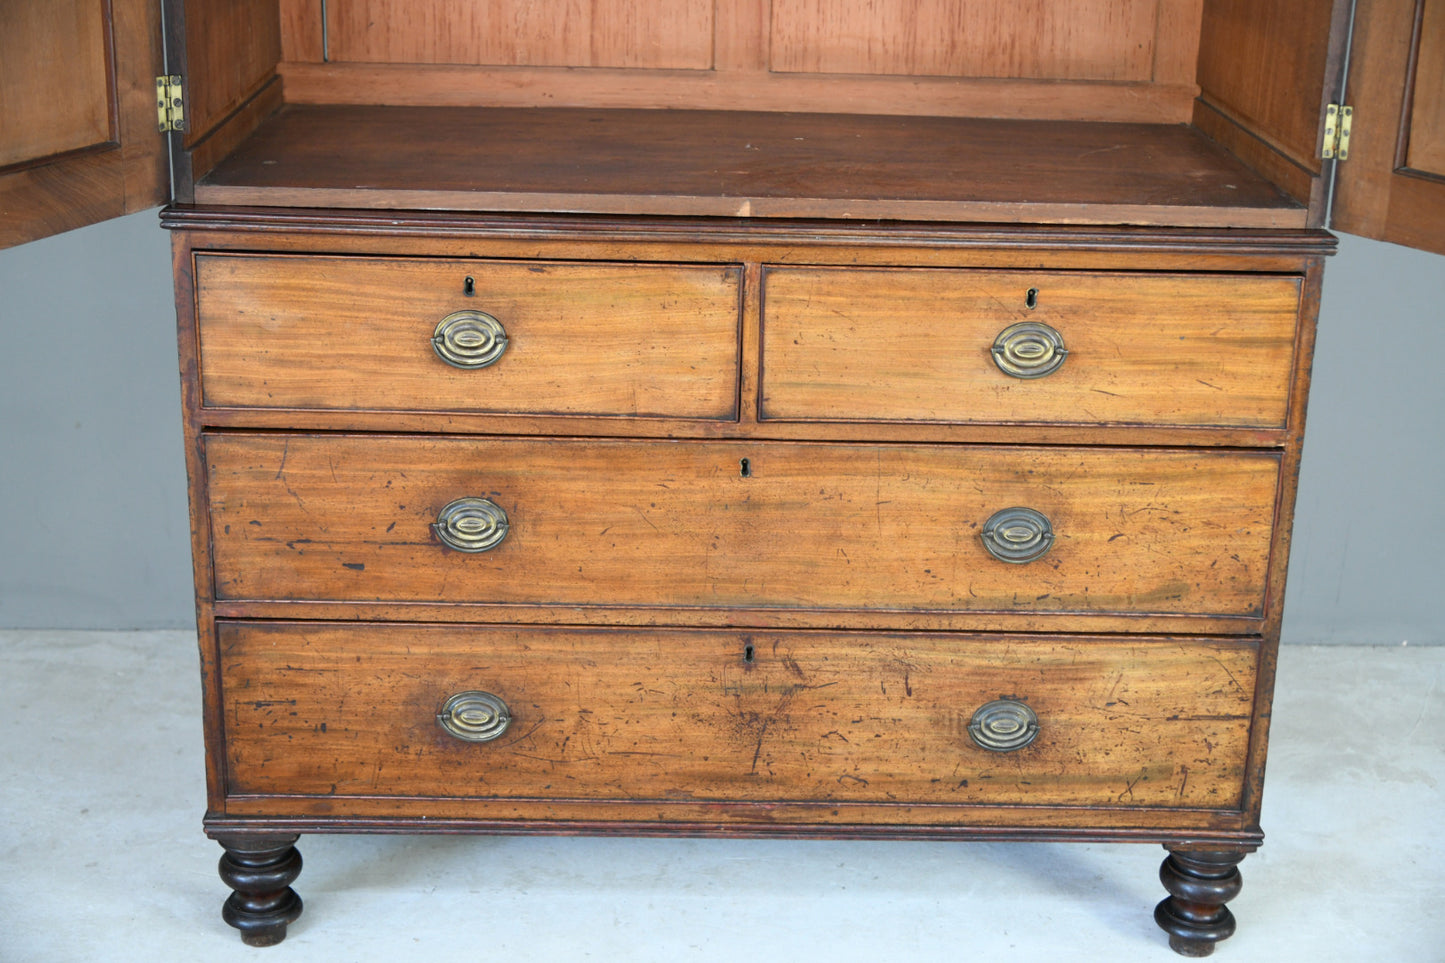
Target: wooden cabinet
x=843 y=409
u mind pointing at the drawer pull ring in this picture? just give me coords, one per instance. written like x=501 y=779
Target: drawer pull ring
x=475 y=716
x=1003 y=726
x=1029 y=349
x=469 y=339
x=471 y=525
x=1018 y=535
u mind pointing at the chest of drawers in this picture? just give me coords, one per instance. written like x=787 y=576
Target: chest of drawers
x=741 y=417
x=627 y=526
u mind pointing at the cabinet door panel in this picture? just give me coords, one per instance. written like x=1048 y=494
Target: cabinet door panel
x=78 y=139
x=1392 y=187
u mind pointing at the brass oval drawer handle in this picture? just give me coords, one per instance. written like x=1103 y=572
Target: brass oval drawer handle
x=475 y=716
x=471 y=525
x=1018 y=535
x=1029 y=349
x=1003 y=726
x=469 y=339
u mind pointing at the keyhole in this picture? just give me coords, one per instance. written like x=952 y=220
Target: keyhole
x=748 y=652
x=747 y=472
x=469 y=287
x=1032 y=298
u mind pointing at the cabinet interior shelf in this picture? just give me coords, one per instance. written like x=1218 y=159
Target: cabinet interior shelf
x=744 y=164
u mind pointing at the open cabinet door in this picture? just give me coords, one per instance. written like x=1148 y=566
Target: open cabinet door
x=1392 y=187
x=78 y=135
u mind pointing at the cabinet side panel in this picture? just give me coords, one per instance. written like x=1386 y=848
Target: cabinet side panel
x=231 y=52
x=1266 y=70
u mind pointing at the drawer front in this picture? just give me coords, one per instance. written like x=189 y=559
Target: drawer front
x=640 y=715
x=358 y=333
x=918 y=345
x=741 y=525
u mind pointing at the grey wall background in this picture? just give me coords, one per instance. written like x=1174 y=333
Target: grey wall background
x=93 y=519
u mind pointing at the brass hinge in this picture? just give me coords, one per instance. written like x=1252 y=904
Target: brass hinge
x=1337 y=132
x=170 y=104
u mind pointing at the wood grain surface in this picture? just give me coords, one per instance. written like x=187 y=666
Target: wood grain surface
x=576 y=33
x=879 y=528
x=232 y=49
x=676 y=716
x=55 y=82
x=743 y=163
x=355 y=333
x=843 y=344
x=1083 y=40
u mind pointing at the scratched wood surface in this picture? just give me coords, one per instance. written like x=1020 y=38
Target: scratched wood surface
x=801 y=526
x=684 y=716
x=740 y=163
x=915 y=345
x=355 y=333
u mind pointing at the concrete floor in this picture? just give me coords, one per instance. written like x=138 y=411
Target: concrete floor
x=102 y=856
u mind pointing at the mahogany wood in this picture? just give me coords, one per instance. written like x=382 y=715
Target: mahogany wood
x=55 y=80
x=1199 y=882
x=78 y=141
x=667 y=524
x=1264 y=62
x=1267 y=68
x=648 y=717
x=260 y=871
x=361 y=84
x=849 y=344
x=1425 y=136
x=1089 y=40
x=1378 y=195
x=735 y=163
x=601 y=33
x=231 y=52
x=338 y=333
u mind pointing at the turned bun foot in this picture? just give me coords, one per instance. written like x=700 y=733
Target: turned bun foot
x=1199 y=884
x=260 y=871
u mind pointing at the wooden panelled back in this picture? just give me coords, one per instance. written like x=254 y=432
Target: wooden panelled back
x=1085 y=40
x=571 y=33
x=1084 y=59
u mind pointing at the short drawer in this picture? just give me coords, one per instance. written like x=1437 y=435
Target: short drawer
x=935 y=345
x=359 y=333
x=689 y=716
x=763 y=525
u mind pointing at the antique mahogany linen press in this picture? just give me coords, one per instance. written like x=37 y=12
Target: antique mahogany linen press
x=739 y=417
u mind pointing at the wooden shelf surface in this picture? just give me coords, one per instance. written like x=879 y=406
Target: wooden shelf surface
x=748 y=164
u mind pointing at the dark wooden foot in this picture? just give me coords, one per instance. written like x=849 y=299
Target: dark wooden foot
x=1199 y=884
x=260 y=869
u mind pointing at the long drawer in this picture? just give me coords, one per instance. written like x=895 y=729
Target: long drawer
x=540 y=337
x=766 y=525
x=1028 y=347
x=688 y=716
